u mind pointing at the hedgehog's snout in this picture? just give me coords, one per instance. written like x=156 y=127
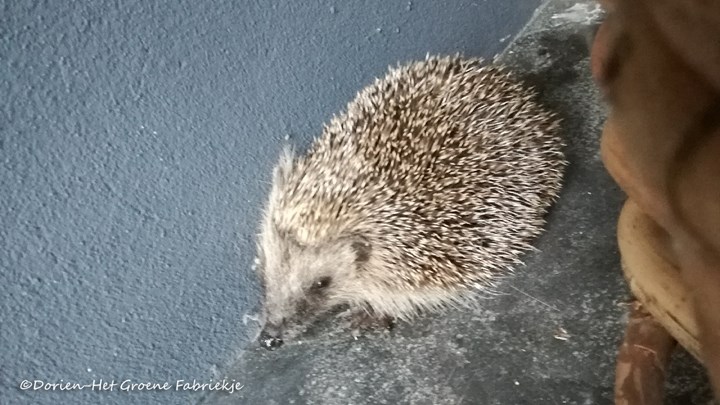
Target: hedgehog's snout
x=270 y=337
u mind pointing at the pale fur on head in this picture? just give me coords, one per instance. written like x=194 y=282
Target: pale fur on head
x=427 y=188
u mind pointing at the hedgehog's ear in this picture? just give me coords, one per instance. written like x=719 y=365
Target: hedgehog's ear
x=283 y=167
x=288 y=237
x=362 y=248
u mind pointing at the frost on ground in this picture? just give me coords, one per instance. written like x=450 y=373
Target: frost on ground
x=579 y=13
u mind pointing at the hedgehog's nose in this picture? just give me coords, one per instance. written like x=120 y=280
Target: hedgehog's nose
x=270 y=340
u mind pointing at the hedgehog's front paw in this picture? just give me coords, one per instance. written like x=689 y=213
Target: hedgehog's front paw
x=362 y=320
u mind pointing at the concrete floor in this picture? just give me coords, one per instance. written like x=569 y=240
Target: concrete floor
x=509 y=351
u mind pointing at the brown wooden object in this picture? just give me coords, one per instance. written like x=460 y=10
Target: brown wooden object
x=642 y=360
x=658 y=63
x=653 y=279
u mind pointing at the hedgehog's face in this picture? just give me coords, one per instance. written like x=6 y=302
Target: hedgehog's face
x=302 y=282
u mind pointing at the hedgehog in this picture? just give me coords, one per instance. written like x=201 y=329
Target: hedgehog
x=421 y=195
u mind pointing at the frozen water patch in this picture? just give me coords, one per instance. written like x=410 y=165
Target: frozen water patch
x=579 y=13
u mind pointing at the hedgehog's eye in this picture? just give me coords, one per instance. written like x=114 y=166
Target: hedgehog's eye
x=321 y=283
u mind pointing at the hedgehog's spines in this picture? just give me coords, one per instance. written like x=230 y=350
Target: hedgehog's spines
x=446 y=167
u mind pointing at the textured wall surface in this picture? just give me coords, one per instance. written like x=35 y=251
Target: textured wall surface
x=136 y=141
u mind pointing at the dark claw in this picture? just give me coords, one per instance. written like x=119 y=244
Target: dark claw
x=363 y=320
x=268 y=341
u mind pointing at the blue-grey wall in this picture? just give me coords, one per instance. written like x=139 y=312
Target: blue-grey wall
x=136 y=142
